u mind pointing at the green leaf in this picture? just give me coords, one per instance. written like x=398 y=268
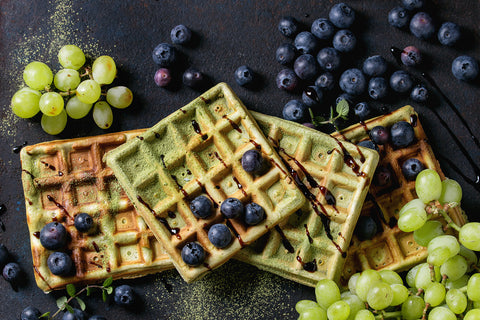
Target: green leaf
x=71 y=290
x=107 y=282
x=45 y=315
x=104 y=295
x=69 y=308
x=81 y=303
x=109 y=290
x=89 y=291
x=61 y=302
x=342 y=108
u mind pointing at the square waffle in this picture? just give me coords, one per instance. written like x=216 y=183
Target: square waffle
x=197 y=151
x=334 y=176
x=391 y=248
x=64 y=178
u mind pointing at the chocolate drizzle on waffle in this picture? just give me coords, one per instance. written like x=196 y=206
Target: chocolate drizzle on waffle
x=173 y=231
x=197 y=129
x=59 y=206
x=285 y=241
x=310 y=266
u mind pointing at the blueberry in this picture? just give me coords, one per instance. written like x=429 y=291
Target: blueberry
x=286 y=54
x=306 y=67
x=164 y=55
x=449 y=33
x=244 y=75
x=366 y=228
x=379 y=135
x=287 y=80
x=400 y=81
x=254 y=213
x=76 y=315
x=377 y=88
x=180 y=34
x=97 y=317
x=193 y=254
x=11 y=272
x=53 y=236
x=60 y=263
x=412 y=4
x=201 y=207
x=419 y=93
x=353 y=82
x=312 y=96
x=398 y=17
x=252 y=161
x=323 y=29
x=193 y=78
x=83 y=222
x=305 y=42
x=465 y=68
x=344 y=40
x=295 y=110
x=402 y=134
x=411 y=168
x=325 y=81
x=368 y=144
x=3 y=255
x=344 y=96
x=342 y=15
x=30 y=313
x=375 y=66
x=124 y=294
x=411 y=56
x=219 y=235
x=382 y=177
x=362 y=110
x=421 y=25
x=329 y=59
x=288 y=26
x=162 y=77
x=231 y=208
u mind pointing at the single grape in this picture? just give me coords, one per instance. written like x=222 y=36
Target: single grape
x=352 y=282
x=76 y=109
x=102 y=115
x=400 y=294
x=451 y=192
x=380 y=296
x=423 y=278
x=54 y=124
x=119 y=97
x=469 y=236
x=304 y=305
x=457 y=284
x=37 y=75
x=411 y=274
x=354 y=302
x=456 y=301
x=364 y=315
x=470 y=257
x=454 y=268
x=313 y=314
x=71 y=57
x=438 y=256
x=88 y=91
x=66 y=79
x=473 y=287
x=415 y=204
x=430 y=230
x=51 y=104
x=442 y=248
x=412 y=220
x=390 y=276
x=104 y=70
x=412 y=308
x=367 y=279
x=428 y=185
x=434 y=294
x=25 y=102
x=473 y=314
x=326 y=292
x=339 y=310
x=441 y=313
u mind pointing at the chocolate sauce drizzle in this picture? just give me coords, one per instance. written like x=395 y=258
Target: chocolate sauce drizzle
x=255 y=144
x=413 y=120
x=308 y=233
x=29 y=173
x=233 y=124
x=285 y=241
x=349 y=161
x=96 y=264
x=185 y=193
x=173 y=231
x=204 y=190
x=41 y=277
x=238 y=236
x=219 y=159
x=36 y=234
x=162 y=158
x=196 y=127
x=239 y=185
x=95 y=246
x=17 y=149
x=308 y=266
x=51 y=199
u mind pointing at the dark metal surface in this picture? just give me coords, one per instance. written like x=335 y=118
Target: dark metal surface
x=228 y=34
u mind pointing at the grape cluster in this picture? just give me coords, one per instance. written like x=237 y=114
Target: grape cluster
x=70 y=92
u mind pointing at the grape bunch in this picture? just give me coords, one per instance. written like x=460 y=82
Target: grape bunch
x=72 y=91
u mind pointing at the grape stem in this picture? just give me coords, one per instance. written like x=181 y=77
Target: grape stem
x=437 y=208
x=67 y=93
x=74 y=296
x=427 y=305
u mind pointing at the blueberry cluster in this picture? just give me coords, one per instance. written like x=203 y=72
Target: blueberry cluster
x=11 y=270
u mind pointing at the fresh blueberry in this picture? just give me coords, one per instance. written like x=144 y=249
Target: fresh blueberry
x=419 y=93
x=402 y=134
x=377 y=88
x=368 y=144
x=411 y=56
x=411 y=168
x=329 y=59
x=124 y=294
x=193 y=254
x=465 y=68
x=366 y=228
x=422 y=26
x=3 y=255
x=375 y=66
x=288 y=26
x=342 y=15
x=412 y=4
x=162 y=77
x=398 y=17
x=180 y=34
x=287 y=80
x=382 y=176
x=325 y=81
x=193 y=78
x=254 y=214
x=323 y=29
x=449 y=33
x=286 y=54
x=362 y=110
x=400 y=81
x=252 y=161
x=83 y=222
x=344 y=96
x=97 y=317
x=312 y=96
x=30 y=313
x=353 y=82
x=76 y=315
x=295 y=110
x=344 y=40
x=231 y=208
x=306 y=67
x=244 y=75
x=164 y=55
x=219 y=235
x=201 y=207
x=379 y=135
x=305 y=42
x=11 y=272
x=53 y=236
x=60 y=263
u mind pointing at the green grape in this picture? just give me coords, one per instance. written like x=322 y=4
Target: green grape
x=76 y=109
x=102 y=115
x=354 y=302
x=442 y=248
x=326 y=292
x=457 y=284
x=441 y=313
x=473 y=314
x=25 y=102
x=119 y=97
x=54 y=125
x=51 y=104
x=66 y=79
x=427 y=232
x=352 y=282
x=390 y=276
x=313 y=314
x=37 y=75
x=456 y=301
x=411 y=274
x=380 y=296
x=438 y=256
x=71 y=56
x=470 y=257
x=339 y=310
x=473 y=287
x=88 y=91
x=400 y=294
x=434 y=294
x=428 y=185
x=454 y=268
x=415 y=204
x=423 y=278
x=304 y=305
x=451 y=192
x=412 y=220
x=104 y=70
x=364 y=315
x=367 y=279
x=469 y=236
x=412 y=308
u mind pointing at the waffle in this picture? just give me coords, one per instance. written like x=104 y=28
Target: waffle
x=197 y=151
x=64 y=178
x=334 y=176
x=391 y=248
